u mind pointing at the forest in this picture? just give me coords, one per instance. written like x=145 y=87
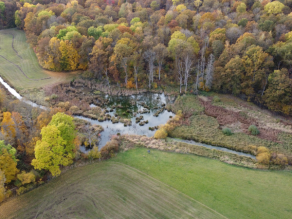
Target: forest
x=237 y=47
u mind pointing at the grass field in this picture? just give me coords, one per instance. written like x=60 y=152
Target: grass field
x=105 y=190
x=235 y=192
x=19 y=64
x=136 y=184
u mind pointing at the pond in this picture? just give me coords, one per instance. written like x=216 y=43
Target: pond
x=131 y=107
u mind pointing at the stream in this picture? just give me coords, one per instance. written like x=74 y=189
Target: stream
x=130 y=107
x=213 y=147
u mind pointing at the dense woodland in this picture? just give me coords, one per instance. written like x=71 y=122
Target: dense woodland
x=237 y=47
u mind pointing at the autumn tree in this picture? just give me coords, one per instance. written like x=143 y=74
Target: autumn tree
x=274 y=7
x=122 y=51
x=57 y=145
x=50 y=54
x=278 y=94
x=66 y=126
x=20 y=130
x=8 y=162
x=2 y=187
x=256 y=64
x=231 y=76
x=8 y=126
x=69 y=56
x=161 y=53
x=100 y=56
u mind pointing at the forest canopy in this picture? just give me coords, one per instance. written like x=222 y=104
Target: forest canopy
x=237 y=47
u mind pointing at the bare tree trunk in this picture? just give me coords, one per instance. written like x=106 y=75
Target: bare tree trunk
x=107 y=79
x=125 y=66
x=265 y=85
x=209 y=71
x=188 y=65
x=180 y=74
x=197 y=80
x=136 y=76
x=203 y=61
x=159 y=68
x=149 y=55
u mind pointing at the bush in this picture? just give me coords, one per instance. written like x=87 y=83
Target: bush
x=94 y=153
x=109 y=149
x=263 y=155
x=279 y=159
x=253 y=130
x=54 y=96
x=26 y=178
x=21 y=190
x=160 y=134
x=227 y=131
x=216 y=99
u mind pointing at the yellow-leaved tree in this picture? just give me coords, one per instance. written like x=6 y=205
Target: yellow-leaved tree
x=57 y=145
x=8 y=126
x=2 y=188
x=8 y=163
x=69 y=56
x=53 y=55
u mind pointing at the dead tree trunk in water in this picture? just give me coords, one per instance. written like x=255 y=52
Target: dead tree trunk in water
x=149 y=55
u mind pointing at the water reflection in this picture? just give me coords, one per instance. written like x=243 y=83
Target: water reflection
x=130 y=107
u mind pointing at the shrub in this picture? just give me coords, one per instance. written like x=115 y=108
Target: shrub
x=253 y=130
x=64 y=105
x=160 y=134
x=26 y=178
x=54 y=96
x=21 y=190
x=262 y=149
x=279 y=159
x=216 y=99
x=94 y=153
x=109 y=149
x=227 y=131
x=263 y=155
x=130 y=85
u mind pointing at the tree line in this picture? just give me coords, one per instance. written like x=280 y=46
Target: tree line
x=237 y=47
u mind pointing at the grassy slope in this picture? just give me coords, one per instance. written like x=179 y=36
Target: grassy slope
x=26 y=60
x=105 y=190
x=111 y=190
x=232 y=191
